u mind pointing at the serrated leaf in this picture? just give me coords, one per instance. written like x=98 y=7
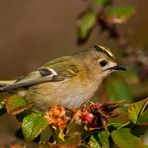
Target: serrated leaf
x=118 y=14
x=124 y=139
x=117 y=89
x=33 y=125
x=85 y=24
x=16 y=104
x=136 y=109
x=100 y=2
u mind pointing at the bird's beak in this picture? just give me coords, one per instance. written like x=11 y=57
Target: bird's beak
x=118 y=68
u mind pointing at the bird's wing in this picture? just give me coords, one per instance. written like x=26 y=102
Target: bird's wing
x=57 y=70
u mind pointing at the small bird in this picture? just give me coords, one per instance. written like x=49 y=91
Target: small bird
x=69 y=81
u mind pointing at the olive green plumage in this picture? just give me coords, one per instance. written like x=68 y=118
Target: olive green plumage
x=69 y=81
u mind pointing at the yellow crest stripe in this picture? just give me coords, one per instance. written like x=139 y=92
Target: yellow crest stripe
x=105 y=50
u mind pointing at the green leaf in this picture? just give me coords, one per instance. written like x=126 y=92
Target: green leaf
x=104 y=139
x=136 y=109
x=74 y=127
x=124 y=139
x=74 y=133
x=85 y=24
x=57 y=134
x=118 y=14
x=100 y=2
x=113 y=126
x=33 y=125
x=143 y=119
x=73 y=139
x=117 y=89
x=99 y=140
x=93 y=142
x=45 y=135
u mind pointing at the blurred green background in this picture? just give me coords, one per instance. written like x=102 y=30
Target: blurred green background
x=34 y=32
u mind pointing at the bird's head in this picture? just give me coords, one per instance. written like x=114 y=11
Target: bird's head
x=105 y=60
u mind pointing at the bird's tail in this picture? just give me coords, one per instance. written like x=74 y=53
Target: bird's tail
x=3 y=94
x=4 y=83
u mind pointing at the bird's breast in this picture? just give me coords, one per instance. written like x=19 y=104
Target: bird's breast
x=70 y=93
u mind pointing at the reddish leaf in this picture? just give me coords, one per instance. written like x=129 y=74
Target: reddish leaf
x=16 y=104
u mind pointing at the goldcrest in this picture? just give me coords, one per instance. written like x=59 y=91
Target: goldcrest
x=69 y=81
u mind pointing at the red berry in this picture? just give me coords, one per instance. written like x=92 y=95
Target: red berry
x=87 y=117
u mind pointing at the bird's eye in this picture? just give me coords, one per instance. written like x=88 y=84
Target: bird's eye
x=103 y=63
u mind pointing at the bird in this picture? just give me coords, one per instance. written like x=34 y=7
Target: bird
x=68 y=81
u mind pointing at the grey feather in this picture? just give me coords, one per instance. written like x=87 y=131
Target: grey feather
x=54 y=71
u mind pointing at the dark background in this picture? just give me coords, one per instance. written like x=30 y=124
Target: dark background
x=34 y=32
